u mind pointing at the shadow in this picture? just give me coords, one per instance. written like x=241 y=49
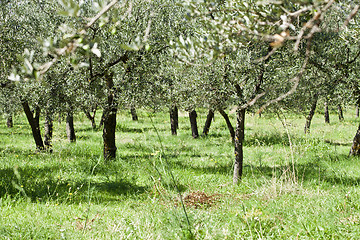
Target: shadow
x=88 y=129
x=267 y=139
x=217 y=135
x=83 y=137
x=333 y=143
x=306 y=172
x=126 y=129
x=21 y=132
x=43 y=184
x=218 y=169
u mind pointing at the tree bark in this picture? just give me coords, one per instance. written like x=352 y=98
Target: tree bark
x=326 y=113
x=340 y=113
x=176 y=116
x=311 y=114
x=193 y=123
x=174 y=119
x=133 y=113
x=48 y=132
x=228 y=123
x=239 y=139
x=110 y=120
x=101 y=123
x=91 y=118
x=355 y=148
x=34 y=124
x=70 y=131
x=207 y=125
x=9 y=122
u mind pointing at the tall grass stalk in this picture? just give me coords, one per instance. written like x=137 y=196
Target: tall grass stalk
x=172 y=177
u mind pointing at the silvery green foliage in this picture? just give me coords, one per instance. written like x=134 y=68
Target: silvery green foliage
x=225 y=26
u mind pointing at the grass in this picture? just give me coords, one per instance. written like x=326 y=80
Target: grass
x=305 y=188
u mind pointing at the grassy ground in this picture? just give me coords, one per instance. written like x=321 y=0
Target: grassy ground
x=294 y=186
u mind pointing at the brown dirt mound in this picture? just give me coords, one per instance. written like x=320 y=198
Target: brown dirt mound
x=200 y=199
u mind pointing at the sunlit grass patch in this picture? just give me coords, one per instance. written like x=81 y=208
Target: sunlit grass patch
x=294 y=185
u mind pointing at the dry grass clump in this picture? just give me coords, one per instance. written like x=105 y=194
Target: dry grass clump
x=199 y=199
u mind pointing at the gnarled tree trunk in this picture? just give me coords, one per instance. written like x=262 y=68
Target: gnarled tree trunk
x=34 y=124
x=110 y=120
x=311 y=114
x=228 y=123
x=70 y=130
x=174 y=119
x=239 y=139
x=193 y=123
x=207 y=125
x=48 y=132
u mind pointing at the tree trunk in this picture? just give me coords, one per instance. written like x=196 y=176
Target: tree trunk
x=101 y=123
x=193 y=123
x=70 y=131
x=133 y=113
x=91 y=118
x=355 y=148
x=228 y=123
x=174 y=119
x=340 y=113
x=34 y=124
x=326 y=113
x=311 y=114
x=239 y=139
x=9 y=122
x=110 y=120
x=176 y=116
x=207 y=125
x=48 y=132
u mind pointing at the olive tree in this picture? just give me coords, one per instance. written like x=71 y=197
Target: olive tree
x=233 y=26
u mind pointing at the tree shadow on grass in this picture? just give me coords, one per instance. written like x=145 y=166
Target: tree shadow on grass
x=126 y=129
x=267 y=139
x=217 y=169
x=42 y=184
x=305 y=172
x=88 y=129
x=217 y=135
x=21 y=132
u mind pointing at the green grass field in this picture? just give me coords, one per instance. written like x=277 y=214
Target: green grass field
x=294 y=186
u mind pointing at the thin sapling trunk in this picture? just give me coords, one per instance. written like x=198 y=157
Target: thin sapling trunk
x=174 y=119
x=208 y=121
x=228 y=123
x=311 y=114
x=239 y=139
x=48 y=132
x=326 y=113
